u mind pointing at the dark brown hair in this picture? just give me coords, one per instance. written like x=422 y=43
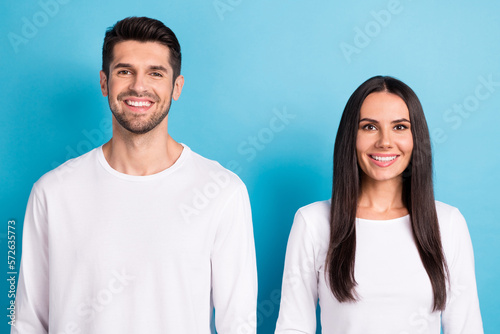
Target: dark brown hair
x=418 y=195
x=142 y=29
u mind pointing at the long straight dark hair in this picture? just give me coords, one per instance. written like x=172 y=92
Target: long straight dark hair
x=418 y=195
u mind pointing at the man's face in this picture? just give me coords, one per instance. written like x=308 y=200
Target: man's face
x=140 y=85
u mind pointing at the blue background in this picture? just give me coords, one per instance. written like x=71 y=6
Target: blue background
x=244 y=61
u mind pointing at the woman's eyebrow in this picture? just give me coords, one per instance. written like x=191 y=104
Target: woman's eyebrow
x=371 y=120
x=368 y=120
x=401 y=120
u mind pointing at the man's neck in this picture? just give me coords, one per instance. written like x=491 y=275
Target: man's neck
x=141 y=155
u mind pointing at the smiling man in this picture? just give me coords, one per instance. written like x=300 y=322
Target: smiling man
x=140 y=235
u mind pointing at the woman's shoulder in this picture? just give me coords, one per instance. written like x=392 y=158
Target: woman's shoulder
x=315 y=213
x=447 y=214
x=316 y=218
x=318 y=209
x=452 y=224
x=445 y=209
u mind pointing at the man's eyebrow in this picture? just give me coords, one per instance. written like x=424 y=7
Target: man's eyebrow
x=123 y=65
x=371 y=120
x=152 y=67
x=158 y=67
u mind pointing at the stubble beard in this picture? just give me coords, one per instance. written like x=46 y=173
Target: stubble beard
x=135 y=123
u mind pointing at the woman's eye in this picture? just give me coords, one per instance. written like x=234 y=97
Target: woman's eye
x=400 y=127
x=369 y=127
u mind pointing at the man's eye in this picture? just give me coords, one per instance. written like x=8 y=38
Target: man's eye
x=124 y=72
x=156 y=74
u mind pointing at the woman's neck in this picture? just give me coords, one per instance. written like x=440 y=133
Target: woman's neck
x=381 y=200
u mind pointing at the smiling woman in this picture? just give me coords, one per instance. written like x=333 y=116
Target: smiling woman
x=384 y=141
x=382 y=256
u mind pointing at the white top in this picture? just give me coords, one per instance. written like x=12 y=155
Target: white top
x=395 y=291
x=106 y=252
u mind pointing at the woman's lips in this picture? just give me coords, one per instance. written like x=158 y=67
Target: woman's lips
x=383 y=160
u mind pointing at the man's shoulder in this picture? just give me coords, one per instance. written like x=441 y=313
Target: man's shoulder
x=68 y=171
x=214 y=170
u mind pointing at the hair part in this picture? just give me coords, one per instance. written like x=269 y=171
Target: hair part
x=418 y=195
x=141 y=29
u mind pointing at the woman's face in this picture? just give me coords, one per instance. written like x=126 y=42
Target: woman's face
x=384 y=141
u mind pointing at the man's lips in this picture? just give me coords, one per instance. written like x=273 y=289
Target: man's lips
x=138 y=104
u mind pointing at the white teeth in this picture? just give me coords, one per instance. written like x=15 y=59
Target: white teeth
x=138 y=104
x=384 y=159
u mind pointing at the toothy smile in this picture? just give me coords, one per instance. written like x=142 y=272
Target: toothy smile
x=383 y=159
x=138 y=103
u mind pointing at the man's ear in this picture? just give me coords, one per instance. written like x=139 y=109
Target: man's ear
x=178 y=84
x=104 y=83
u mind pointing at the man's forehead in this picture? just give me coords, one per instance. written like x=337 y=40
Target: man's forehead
x=131 y=51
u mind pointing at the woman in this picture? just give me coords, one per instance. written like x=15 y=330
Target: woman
x=381 y=256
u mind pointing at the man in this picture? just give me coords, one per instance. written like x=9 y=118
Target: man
x=140 y=235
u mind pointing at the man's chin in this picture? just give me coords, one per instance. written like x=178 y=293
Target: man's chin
x=139 y=129
x=138 y=124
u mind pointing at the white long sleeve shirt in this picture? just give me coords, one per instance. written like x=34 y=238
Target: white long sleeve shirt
x=106 y=252
x=394 y=288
